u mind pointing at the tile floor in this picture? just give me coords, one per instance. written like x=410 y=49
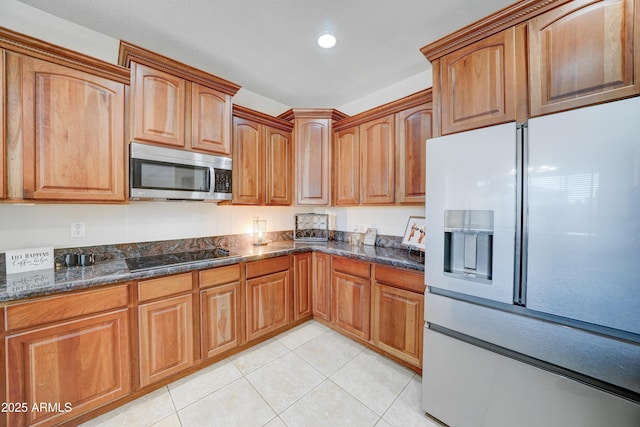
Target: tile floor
x=307 y=376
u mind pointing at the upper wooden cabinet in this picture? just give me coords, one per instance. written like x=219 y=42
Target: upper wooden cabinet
x=3 y=165
x=413 y=128
x=65 y=137
x=582 y=53
x=379 y=155
x=478 y=83
x=263 y=153
x=177 y=105
x=535 y=57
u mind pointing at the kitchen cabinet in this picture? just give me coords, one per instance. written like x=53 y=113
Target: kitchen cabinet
x=321 y=286
x=263 y=156
x=583 y=53
x=413 y=128
x=302 y=276
x=351 y=296
x=71 y=351
x=478 y=83
x=220 y=309
x=346 y=167
x=398 y=313
x=267 y=296
x=3 y=164
x=377 y=173
x=176 y=105
x=70 y=127
x=165 y=327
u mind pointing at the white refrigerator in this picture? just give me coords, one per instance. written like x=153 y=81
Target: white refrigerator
x=532 y=307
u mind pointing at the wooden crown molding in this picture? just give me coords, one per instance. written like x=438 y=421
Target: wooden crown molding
x=265 y=119
x=313 y=113
x=26 y=45
x=413 y=100
x=508 y=17
x=129 y=52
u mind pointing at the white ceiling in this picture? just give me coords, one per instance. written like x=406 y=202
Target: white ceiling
x=269 y=46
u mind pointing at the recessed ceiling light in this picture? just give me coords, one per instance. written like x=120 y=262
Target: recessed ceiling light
x=327 y=41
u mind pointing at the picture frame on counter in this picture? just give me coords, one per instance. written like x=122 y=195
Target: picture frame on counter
x=414 y=233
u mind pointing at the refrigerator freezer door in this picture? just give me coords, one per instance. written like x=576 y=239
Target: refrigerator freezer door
x=584 y=215
x=472 y=177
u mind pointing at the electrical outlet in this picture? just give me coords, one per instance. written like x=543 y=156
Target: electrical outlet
x=77 y=229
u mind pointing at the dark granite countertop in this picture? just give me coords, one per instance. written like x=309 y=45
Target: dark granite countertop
x=47 y=282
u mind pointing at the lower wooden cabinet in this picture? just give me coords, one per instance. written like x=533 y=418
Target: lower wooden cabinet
x=165 y=327
x=302 y=275
x=69 y=367
x=321 y=286
x=267 y=296
x=351 y=296
x=220 y=310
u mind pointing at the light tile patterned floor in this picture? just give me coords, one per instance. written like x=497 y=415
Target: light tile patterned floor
x=308 y=376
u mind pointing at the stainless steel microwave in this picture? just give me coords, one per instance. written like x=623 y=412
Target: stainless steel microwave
x=167 y=173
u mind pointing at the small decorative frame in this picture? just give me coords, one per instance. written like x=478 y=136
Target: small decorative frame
x=414 y=233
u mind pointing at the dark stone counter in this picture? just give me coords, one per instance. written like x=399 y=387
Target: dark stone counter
x=65 y=279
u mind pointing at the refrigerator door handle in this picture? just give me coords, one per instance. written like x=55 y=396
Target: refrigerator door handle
x=520 y=250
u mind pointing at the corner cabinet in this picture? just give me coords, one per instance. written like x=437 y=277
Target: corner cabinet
x=176 y=105
x=582 y=53
x=71 y=351
x=263 y=156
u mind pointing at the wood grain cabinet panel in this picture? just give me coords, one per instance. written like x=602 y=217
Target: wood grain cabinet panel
x=346 y=167
x=3 y=144
x=377 y=151
x=398 y=322
x=210 y=120
x=220 y=317
x=413 y=128
x=351 y=303
x=582 y=53
x=165 y=330
x=278 y=167
x=248 y=157
x=158 y=106
x=302 y=289
x=83 y=363
x=321 y=286
x=267 y=299
x=478 y=83
x=73 y=134
x=313 y=161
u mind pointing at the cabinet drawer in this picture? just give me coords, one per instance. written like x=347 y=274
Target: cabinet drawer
x=55 y=309
x=405 y=279
x=267 y=266
x=219 y=276
x=350 y=266
x=164 y=286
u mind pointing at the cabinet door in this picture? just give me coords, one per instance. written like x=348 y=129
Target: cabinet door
x=267 y=304
x=582 y=53
x=479 y=84
x=248 y=157
x=302 y=276
x=346 y=167
x=398 y=322
x=351 y=303
x=312 y=161
x=165 y=338
x=210 y=120
x=158 y=106
x=377 y=173
x=3 y=161
x=413 y=128
x=321 y=286
x=278 y=167
x=220 y=309
x=73 y=134
x=82 y=363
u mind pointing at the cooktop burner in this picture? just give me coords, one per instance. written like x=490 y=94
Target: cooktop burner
x=166 y=260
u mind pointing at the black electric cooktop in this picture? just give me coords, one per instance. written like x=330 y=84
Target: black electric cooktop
x=166 y=260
